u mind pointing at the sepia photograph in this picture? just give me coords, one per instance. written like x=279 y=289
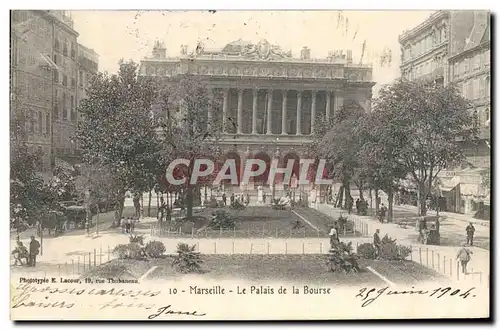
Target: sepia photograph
x=249 y=165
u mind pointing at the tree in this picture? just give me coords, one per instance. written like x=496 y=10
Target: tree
x=186 y=130
x=336 y=141
x=424 y=121
x=379 y=149
x=117 y=129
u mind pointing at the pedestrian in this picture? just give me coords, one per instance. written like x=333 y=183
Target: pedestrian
x=264 y=197
x=232 y=198
x=334 y=236
x=34 y=250
x=132 y=225
x=38 y=228
x=87 y=227
x=463 y=256
x=377 y=241
x=123 y=225
x=470 y=233
x=127 y=226
x=382 y=212
x=224 y=199
x=357 y=205
x=248 y=199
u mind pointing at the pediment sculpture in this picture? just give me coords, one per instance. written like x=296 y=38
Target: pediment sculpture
x=264 y=50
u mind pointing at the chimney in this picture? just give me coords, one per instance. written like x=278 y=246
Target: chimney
x=159 y=50
x=349 y=56
x=305 y=53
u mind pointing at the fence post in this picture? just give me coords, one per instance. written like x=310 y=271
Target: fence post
x=100 y=255
x=268 y=247
x=303 y=248
x=420 y=254
x=286 y=247
x=432 y=258
x=90 y=260
x=451 y=267
x=220 y=231
x=439 y=262
x=263 y=227
x=78 y=265
x=458 y=271
x=320 y=247
x=427 y=256
x=66 y=268
x=233 y=247
x=192 y=232
x=234 y=232
x=215 y=247
x=73 y=266
x=251 y=248
x=84 y=262
x=95 y=255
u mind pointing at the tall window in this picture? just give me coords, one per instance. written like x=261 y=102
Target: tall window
x=47 y=123
x=64 y=107
x=40 y=123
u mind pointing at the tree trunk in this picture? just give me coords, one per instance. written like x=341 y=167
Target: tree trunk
x=422 y=198
x=149 y=203
x=390 y=197
x=340 y=197
x=347 y=194
x=376 y=202
x=189 y=201
x=119 y=208
x=371 y=199
x=361 y=197
x=157 y=205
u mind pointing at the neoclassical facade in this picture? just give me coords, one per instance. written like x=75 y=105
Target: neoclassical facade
x=269 y=98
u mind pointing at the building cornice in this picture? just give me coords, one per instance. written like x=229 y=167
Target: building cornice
x=422 y=26
x=59 y=23
x=436 y=49
x=479 y=47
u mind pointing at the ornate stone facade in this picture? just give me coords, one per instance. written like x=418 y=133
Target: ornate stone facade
x=270 y=96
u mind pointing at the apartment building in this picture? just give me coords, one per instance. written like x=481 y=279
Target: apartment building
x=453 y=47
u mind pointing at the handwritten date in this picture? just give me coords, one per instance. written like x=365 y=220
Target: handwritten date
x=368 y=296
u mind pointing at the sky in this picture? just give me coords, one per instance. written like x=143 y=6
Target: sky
x=131 y=34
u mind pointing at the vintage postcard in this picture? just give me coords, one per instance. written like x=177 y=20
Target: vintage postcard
x=249 y=165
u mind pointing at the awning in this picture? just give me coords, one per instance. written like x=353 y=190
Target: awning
x=469 y=189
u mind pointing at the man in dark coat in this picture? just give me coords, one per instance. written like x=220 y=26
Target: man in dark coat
x=34 y=250
x=470 y=233
x=377 y=241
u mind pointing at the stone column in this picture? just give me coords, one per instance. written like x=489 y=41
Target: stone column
x=210 y=109
x=299 y=113
x=339 y=102
x=224 y=109
x=313 y=110
x=269 y=130
x=328 y=99
x=240 y=111
x=283 y=112
x=254 y=111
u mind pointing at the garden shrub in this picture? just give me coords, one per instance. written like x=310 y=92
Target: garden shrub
x=187 y=260
x=122 y=251
x=367 y=251
x=341 y=258
x=221 y=219
x=237 y=205
x=389 y=250
x=139 y=239
x=154 y=249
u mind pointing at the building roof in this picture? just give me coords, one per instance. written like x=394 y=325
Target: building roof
x=479 y=30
